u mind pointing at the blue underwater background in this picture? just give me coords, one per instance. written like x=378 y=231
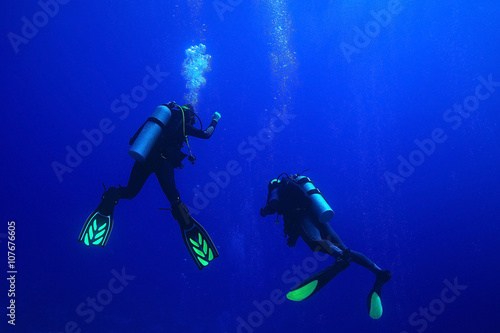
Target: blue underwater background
x=393 y=106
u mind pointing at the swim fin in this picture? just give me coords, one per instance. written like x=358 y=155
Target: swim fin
x=99 y=224
x=374 y=301
x=197 y=241
x=314 y=283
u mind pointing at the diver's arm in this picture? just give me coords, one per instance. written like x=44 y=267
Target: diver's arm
x=272 y=205
x=206 y=134
x=198 y=133
x=269 y=209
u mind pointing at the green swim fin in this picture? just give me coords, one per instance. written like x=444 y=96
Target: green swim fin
x=374 y=301
x=314 y=283
x=97 y=229
x=99 y=224
x=197 y=241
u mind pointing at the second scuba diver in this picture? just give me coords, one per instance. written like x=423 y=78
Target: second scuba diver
x=306 y=214
x=156 y=147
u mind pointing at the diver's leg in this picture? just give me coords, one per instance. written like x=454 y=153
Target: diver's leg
x=316 y=243
x=165 y=175
x=138 y=176
x=364 y=261
x=374 y=301
x=327 y=232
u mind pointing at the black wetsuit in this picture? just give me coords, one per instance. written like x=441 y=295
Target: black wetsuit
x=295 y=206
x=165 y=156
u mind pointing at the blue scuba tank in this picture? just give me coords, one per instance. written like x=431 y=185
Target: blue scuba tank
x=150 y=133
x=320 y=207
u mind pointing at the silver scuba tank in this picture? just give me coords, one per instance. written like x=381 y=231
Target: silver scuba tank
x=150 y=133
x=320 y=207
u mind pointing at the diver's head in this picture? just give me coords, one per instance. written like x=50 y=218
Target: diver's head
x=189 y=114
x=273 y=184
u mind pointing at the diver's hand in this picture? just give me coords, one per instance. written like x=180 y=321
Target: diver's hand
x=216 y=116
x=263 y=212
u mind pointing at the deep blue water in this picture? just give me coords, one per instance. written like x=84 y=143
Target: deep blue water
x=397 y=124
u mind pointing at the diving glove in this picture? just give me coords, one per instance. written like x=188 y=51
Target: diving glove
x=216 y=116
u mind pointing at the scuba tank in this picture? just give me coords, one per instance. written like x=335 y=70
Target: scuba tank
x=149 y=133
x=320 y=207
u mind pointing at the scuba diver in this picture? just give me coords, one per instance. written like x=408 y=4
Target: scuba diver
x=156 y=148
x=306 y=214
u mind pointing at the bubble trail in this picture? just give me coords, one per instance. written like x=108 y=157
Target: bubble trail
x=283 y=60
x=193 y=68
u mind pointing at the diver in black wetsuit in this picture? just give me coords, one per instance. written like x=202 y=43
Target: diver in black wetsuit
x=164 y=156
x=306 y=214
